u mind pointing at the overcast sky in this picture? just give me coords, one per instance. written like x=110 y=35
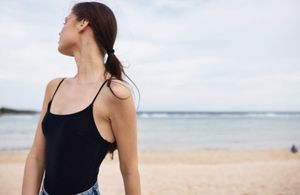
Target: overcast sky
x=193 y=55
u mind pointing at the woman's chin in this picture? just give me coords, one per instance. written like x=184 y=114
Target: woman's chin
x=64 y=52
x=65 y=48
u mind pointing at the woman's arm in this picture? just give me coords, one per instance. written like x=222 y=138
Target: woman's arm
x=35 y=161
x=124 y=125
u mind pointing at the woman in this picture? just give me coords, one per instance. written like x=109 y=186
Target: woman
x=85 y=116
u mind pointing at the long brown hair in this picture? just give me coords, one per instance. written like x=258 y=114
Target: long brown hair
x=104 y=26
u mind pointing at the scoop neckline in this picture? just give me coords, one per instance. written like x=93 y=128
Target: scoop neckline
x=69 y=114
x=74 y=113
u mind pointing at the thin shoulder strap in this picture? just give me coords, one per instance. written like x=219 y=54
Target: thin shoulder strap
x=98 y=91
x=57 y=88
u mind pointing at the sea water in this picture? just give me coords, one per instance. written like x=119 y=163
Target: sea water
x=183 y=130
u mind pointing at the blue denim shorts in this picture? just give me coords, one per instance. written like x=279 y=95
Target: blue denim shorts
x=94 y=190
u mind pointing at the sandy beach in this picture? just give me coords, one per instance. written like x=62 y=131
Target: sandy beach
x=243 y=172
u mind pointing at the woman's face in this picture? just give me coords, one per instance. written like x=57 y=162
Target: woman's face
x=68 y=35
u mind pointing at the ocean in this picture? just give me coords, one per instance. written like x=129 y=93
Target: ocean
x=183 y=131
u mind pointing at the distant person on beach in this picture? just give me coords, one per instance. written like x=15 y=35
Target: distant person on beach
x=294 y=149
x=86 y=116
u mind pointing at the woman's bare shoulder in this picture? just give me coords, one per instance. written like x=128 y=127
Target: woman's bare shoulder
x=52 y=85
x=120 y=88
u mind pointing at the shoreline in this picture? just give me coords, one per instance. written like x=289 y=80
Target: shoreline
x=203 y=156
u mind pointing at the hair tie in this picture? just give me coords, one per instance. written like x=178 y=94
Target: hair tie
x=110 y=51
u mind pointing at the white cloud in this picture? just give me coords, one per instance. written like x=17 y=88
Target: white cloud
x=183 y=55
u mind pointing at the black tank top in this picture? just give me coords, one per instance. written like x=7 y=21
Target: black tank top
x=74 y=150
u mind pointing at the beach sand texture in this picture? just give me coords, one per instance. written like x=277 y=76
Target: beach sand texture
x=208 y=172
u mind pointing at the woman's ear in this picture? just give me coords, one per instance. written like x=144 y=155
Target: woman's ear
x=82 y=25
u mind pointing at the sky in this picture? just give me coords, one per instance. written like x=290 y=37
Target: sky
x=193 y=55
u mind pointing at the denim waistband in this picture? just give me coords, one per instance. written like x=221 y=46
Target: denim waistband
x=94 y=190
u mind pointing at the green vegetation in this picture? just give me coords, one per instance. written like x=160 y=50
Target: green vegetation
x=4 y=110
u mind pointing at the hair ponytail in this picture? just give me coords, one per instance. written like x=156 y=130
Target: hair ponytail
x=104 y=25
